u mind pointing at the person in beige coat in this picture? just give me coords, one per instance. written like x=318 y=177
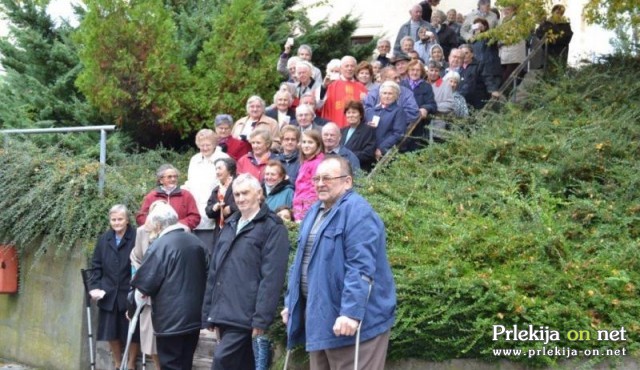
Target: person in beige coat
x=511 y=56
x=256 y=118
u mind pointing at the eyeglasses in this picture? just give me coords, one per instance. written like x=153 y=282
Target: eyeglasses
x=170 y=176
x=326 y=179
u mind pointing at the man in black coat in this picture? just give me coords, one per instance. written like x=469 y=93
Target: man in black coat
x=246 y=275
x=173 y=275
x=479 y=81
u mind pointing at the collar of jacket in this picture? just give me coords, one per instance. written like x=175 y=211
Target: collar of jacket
x=278 y=188
x=288 y=158
x=235 y=217
x=388 y=108
x=175 y=191
x=255 y=161
x=169 y=229
x=309 y=86
x=129 y=233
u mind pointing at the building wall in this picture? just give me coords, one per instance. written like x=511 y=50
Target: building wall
x=44 y=324
x=383 y=18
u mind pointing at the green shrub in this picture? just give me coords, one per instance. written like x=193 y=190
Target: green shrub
x=49 y=193
x=533 y=219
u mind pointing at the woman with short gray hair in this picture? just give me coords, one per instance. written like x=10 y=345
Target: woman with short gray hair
x=460 y=108
x=254 y=119
x=388 y=118
x=168 y=190
x=110 y=284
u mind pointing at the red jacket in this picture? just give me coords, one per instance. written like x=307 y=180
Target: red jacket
x=182 y=202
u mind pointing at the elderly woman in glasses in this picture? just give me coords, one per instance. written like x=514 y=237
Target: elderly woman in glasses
x=168 y=190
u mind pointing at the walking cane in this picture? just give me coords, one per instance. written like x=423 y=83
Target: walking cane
x=132 y=328
x=87 y=299
x=286 y=359
x=357 y=349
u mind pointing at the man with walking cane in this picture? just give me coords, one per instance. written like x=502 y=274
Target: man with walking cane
x=341 y=296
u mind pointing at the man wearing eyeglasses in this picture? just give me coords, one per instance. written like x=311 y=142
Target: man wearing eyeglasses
x=341 y=295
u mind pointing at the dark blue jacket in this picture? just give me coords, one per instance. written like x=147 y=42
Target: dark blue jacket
x=246 y=272
x=391 y=127
x=348 y=257
x=423 y=93
x=291 y=164
x=113 y=268
x=362 y=143
x=477 y=83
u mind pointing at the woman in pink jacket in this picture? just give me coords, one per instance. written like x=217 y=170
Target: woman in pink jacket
x=311 y=154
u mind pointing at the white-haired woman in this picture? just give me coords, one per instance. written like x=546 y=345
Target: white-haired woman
x=388 y=118
x=281 y=110
x=333 y=70
x=201 y=179
x=460 y=108
x=111 y=282
x=256 y=118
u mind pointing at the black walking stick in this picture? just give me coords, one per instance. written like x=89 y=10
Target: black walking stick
x=87 y=276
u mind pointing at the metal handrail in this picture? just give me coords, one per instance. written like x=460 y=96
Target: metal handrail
x=103 y=142
x=513 y=77
x=392 y=152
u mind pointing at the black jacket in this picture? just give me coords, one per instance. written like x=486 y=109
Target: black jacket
x=477 y=82
x=246 y=272
x=447 y=38
x=362 y=143
x=113 y=268
x=213 y=199
x=173 y=273
x=273 y=113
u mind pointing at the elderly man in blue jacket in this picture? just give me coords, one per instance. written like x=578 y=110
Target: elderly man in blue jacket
x=340 y=280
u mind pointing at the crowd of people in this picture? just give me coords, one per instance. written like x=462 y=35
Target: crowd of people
x=212 y=253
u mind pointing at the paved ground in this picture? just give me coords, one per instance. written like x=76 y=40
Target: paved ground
x=9 y=365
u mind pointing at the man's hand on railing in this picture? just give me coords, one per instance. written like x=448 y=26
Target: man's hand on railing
x=378 y=154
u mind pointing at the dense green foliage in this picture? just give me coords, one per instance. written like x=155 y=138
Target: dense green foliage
x=48 y=196
x=534 y=219
x=41 y=65
x=236 y=62
x=132 y=66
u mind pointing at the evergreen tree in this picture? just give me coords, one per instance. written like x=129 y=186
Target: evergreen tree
x=133 y=68
x=41 y=65
x=238 y=61
x=334 y=41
